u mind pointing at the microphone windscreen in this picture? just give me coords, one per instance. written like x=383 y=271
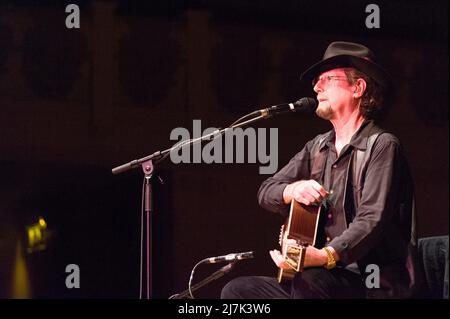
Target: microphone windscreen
x=306 y=105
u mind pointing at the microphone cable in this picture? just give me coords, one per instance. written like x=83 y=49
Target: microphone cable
x=192 y=276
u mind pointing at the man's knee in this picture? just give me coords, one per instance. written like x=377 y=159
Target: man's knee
x=309 y=284
x=236 y=288
x=319 y=283
x=253 y=287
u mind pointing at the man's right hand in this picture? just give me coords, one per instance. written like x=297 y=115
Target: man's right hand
x=305 y=192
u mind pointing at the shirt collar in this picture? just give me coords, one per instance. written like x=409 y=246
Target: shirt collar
x=358 y=140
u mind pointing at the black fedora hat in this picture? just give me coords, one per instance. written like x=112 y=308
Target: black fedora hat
x=348 y=54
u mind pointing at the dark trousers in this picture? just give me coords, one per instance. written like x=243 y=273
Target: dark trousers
x=312 y=283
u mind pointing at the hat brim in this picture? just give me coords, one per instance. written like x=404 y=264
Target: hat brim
x=371 y=69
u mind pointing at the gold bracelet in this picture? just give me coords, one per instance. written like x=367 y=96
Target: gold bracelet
x=331 y=262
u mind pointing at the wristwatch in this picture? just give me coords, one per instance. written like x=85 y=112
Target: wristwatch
x=331 y=262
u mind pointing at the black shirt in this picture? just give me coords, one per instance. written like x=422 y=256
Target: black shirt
x=372 y=220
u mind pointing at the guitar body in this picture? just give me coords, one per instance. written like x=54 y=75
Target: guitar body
x=304 y=225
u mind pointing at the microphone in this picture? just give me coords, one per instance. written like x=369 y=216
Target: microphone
x=235 y=256
x=304 y=105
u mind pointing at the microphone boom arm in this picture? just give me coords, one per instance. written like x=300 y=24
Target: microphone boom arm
x=163 y=154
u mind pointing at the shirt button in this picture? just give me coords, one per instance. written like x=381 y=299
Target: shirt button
x=328 y=239
x=329 y=216
x=331 y=192
x=334 y=166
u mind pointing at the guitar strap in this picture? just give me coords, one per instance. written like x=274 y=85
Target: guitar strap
x=360 y=157
x=318 y=159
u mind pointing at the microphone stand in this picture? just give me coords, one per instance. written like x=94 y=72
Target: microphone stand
x=214 y=276
x=148 y=167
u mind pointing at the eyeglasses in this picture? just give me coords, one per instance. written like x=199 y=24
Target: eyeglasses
x=325 y=79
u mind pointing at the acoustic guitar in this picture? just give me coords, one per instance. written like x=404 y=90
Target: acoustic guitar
x=304 y=225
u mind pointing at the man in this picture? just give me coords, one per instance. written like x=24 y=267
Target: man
x=360 y=172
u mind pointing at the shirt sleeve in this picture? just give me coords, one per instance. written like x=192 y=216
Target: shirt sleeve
x=270 y=194
x=379 y=196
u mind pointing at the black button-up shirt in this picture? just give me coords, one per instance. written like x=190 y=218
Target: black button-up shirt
x=371 y=217
x=334 y=182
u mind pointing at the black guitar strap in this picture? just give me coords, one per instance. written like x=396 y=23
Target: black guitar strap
x=318 y=159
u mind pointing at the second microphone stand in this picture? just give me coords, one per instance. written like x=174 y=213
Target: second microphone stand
x=187 y=294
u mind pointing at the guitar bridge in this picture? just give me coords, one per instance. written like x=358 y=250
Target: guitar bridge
x=295 y=255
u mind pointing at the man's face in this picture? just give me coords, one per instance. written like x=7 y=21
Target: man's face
x=334 y=93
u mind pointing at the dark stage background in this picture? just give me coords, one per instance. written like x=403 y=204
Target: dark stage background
x=77 y=102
